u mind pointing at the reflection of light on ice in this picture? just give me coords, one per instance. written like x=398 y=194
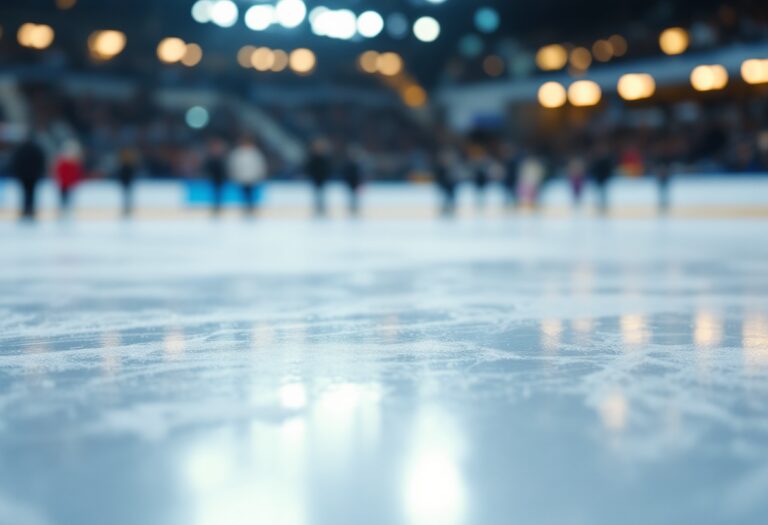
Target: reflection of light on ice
x=754 y=339
x=293 y=395
x=551 y=329
x=262 y=336
x=244 y=478
x=173 y=342
x=209 y=467
x=435 y=492
x=708 y=329
x=110 y=359
x=582 y=328
x=633 y=330
x=344 y=412
x=613 y=411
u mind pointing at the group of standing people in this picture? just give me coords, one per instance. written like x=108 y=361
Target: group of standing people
x=30 y=164
x=524 y=174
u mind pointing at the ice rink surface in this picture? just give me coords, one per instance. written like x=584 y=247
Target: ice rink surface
x=521 y=369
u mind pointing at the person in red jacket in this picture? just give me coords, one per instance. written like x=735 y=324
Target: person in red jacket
x=68 y=171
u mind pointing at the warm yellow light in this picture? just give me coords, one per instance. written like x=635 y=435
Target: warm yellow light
x=262 y=59
x=368 y=61
x=192 y=56
x=709 y=78
x=584 y=93
x=551 y=57
x=619 y=44
x=414 y=96
x=636 y=86
x=280 y=60
x=244 y=56
x=493 y=65
x=755 y=71
x=389 y=64
x=552 y=95
x=602 y=50
x=171 y=50
x=36 y=36
x=302 y=61
x=106 y=44
x=65 y=4
x=674 y=40
x=581 y=58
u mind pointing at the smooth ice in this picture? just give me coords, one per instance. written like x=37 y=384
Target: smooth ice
x=478 y=371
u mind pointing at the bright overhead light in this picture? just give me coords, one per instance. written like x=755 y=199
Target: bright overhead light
x=290 y=13
x=709 y=77
x=426 y=29
x=552 y=95
x=636 y=86
x=302 y=61
x=340 y=24
x=584 y=93
x=370 y=24
x=201 y=11
x=260 y=17
x=224 y=13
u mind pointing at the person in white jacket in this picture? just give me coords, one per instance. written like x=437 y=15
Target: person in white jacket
x=247 y=167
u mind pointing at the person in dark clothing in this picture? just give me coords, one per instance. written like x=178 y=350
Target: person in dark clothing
x=318 y=170
x=445 y=177
x=352 y=172
x=511 y=159
x=663 y=177
x=128 y=165
x=216 y=170
x=602 y=170
x=28 y=165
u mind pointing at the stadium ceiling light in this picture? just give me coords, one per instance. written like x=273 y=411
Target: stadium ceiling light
x=171 y=49
x=106 y=44
x=552 y=95
x=426 y=29
x=397 y=25
x=197 y=117
x=674 y=41
x=709 y=77
x=260 y=17
x=224 y=13
x=340 y=24
x=636 y=86
x=584 y=93
x=290 y=13
x=755 y=71
x=36 y=36
x=486 y=20
x=201 y=11
x=370 y=24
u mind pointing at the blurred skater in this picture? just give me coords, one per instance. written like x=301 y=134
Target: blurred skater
x=28 y=165
x=216 y=171
x=68 y=172
x=576 y=171
x=128 y=165
x=353 y=174
x=247 y=166
x=603 y=165
x=446 y=170
x=663 y=178
x=480 y=174
x=511 y=159
x=318 y=170
x=532 y=173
